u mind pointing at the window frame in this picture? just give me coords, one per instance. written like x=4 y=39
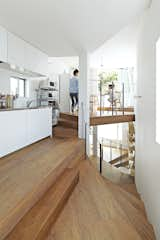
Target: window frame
x=24 y=85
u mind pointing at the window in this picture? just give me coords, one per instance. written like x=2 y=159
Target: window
x=18 y=86
x=158 y=91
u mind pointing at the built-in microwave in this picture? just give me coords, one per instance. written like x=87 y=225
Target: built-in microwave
x=47 y=83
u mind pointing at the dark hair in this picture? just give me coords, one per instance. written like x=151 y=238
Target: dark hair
x=75 y=72
x=111 y=86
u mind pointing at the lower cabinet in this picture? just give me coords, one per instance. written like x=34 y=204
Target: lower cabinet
x=23 y=127
x=39 y=124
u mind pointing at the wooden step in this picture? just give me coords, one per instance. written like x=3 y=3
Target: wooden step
x=95 y=212
x=63 y=132
x=121 y=163
x=25 y=178
x=69 y=116
x=117 y=190
x=114 y=229
x=119 y=158
x=131 y=188
x=67 y=123
x=37 y=222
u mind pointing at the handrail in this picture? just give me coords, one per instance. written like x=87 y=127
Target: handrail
x=116 y=99
x=101 y=158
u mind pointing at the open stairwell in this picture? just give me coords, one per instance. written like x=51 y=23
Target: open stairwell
x=101 y=210
x=67 y=198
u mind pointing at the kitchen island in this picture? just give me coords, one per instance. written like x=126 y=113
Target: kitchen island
x=22 y=127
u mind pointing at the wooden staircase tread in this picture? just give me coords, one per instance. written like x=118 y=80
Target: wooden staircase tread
x=93 y=202
x=37 y=221
x=69 y=116
x=119 y=158
x=137 y=203
x=25 y=178
x=131 y=188
x=68 y=123
x=64 y=132
x=115 y=229
x=121 y=163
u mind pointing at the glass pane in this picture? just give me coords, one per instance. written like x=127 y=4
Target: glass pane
x=14 y=86
x=21 y=88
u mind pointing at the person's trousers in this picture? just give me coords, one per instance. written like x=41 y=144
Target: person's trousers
x=74 y=99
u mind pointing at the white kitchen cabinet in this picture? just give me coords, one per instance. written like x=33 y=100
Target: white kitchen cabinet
x=16 y=51
x=3 y=45
x=39 y=124
x=13 y=131
x=19 y=128
x=42 y=63
x=24 y=55
x=30 y=57
x=35 y=60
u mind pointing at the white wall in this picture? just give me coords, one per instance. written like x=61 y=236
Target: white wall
x=147 y=151
x=119 y=51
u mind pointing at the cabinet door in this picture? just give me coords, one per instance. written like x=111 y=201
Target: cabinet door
x=35 y=60
x=16 y=52
x=3 y=44
x=13 y=129
x=39 y=124
x=42 y=63
x=30 y=60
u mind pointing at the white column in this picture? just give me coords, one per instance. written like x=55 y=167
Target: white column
x=83 y=130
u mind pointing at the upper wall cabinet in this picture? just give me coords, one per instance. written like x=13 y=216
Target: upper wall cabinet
x=42 y=63
x=24 y=55
x=3 y=44
x=35 y=60
x=15 y=50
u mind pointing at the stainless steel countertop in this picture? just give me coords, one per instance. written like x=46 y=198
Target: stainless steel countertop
x=25 y=108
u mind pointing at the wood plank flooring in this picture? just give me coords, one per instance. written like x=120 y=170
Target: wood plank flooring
x=28 y=173
x=94 y=212
x=36 y=223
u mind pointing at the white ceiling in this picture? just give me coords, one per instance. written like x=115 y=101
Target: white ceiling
x=118 y=52
x=65 y=27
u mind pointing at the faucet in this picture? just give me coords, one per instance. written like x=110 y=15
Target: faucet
x=29 y=103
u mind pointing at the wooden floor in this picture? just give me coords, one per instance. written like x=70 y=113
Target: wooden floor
x=25 y=175
x=98 y=209
x=97 y=212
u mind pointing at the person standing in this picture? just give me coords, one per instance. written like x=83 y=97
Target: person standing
x=74 y=89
